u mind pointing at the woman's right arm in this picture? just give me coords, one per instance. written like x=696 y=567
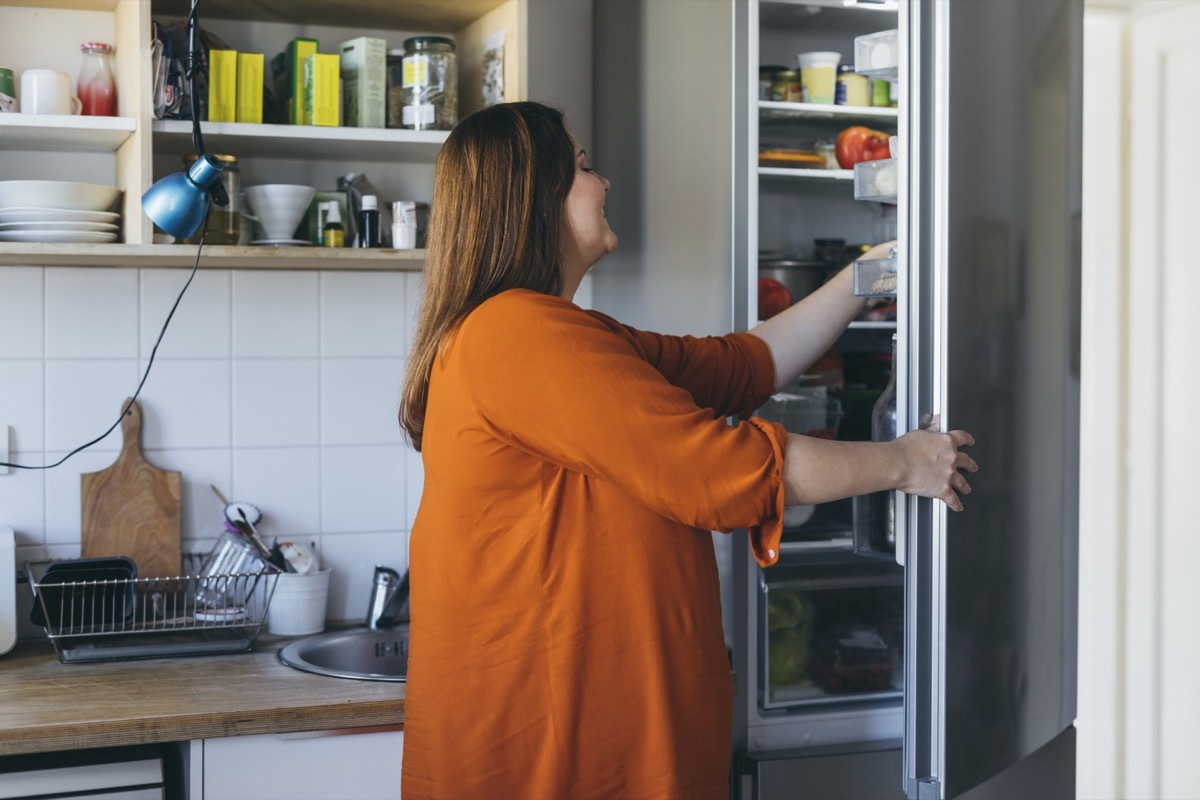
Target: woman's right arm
x=922 y=462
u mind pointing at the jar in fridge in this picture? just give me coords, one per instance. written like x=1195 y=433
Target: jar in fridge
x=429 y=100
x=786 y=87
x=224 y=224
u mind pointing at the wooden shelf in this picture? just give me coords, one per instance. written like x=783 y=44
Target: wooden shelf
x=246 y=140
x=64 y=133
x=441 y=16
x=176 y=256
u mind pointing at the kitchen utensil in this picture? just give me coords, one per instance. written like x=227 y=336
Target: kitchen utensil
x=132 y=507
x=278 y=208
x=47 y=91
x=58 y=195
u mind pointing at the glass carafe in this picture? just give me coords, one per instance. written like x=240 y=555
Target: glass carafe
x=97 y=88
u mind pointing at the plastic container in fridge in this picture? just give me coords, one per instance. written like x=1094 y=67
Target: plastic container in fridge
x=877 y=55
x=875 y=277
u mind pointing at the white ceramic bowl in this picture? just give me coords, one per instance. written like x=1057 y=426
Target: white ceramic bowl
x=279 y=207
x=57 y=194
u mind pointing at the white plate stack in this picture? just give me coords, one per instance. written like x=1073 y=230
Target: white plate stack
x=58 y=211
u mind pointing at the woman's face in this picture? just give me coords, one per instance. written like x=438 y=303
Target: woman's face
x=585 y=237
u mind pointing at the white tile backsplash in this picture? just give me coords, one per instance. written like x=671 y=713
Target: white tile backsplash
x=284 y=482
x=23 y=498
x=352 y=558
x=22 y=310
x=362 y=489
x=275 y=314
x=276 y=402
x=84 y=398
x=280 y=388
x=22 y=405
x=360 y=398
x=363 y=314
x=91 y=313
x=187 y=404
x=200 y=326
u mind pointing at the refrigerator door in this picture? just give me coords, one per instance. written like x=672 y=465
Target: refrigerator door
x=990 y=183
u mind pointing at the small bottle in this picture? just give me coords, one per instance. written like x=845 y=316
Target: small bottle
x=333 y=234
x=96 y=86
x=875 y=513
x=368 y=222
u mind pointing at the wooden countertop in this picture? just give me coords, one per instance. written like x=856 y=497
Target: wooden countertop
x=50 y=706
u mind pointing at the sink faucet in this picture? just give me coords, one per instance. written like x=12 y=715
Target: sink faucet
x=389 y=594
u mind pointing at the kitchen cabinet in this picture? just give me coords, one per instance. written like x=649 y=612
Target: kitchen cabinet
x=353 y=763
x=547 y=56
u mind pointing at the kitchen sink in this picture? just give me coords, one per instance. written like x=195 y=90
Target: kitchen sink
x=357 y=653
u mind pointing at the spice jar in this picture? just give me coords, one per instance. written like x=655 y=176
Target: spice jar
x=224 y=224
x=787 y=87
x=395 y=88
x=430 y=95
x=97 y=88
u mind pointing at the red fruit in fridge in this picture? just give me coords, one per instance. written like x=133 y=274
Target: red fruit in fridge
x=773 y=297
x=859 y=143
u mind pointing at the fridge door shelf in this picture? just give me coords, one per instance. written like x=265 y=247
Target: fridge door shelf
x=875 y=277
x=876 y=180
x=877 y=55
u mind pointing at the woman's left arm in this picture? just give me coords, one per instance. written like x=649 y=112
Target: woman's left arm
x=800 y=335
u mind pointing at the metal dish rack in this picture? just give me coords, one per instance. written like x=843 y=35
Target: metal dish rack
x=156 y=617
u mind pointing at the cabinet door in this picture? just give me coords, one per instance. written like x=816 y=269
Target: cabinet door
x=347 y=764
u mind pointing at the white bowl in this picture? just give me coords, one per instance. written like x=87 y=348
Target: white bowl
x=279 y=207
x=57 y=194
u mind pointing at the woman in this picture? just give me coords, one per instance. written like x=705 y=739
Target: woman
x=566 y=625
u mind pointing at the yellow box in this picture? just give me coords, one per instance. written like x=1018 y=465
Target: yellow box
x=298 y=49
x=322 y=89
x=222 y=85
x=250 y=87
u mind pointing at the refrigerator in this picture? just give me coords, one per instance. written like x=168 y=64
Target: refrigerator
x=944 y=666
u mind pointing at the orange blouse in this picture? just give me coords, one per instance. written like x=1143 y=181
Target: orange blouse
x=566 y=635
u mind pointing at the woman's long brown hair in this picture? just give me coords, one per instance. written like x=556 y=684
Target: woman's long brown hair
x=499 y=185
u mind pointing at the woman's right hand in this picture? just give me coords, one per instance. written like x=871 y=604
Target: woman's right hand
x=932 y=462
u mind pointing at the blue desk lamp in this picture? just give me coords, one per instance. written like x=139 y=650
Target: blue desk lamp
x=178 y=203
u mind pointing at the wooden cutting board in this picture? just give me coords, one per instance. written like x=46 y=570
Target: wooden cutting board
x=132 y=508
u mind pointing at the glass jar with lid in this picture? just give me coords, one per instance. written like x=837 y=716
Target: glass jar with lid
x=97 y=88
x=224 y=224
x=430 y=91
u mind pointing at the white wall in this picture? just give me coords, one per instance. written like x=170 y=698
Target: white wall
x=279 y=388
x=1139 y=651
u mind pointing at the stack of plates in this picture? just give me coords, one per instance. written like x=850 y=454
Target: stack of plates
x=58 y=211
x=58 y=225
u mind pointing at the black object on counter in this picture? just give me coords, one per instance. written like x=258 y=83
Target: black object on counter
x=368 y=222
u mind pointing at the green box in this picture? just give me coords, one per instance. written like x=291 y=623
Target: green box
x=298 y=49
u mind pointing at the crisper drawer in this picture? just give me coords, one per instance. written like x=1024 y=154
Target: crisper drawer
x=829 y=633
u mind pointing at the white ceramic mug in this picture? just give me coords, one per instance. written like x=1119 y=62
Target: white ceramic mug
x=47 y=91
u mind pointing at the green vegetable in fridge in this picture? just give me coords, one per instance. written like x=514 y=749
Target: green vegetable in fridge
x=788 y=657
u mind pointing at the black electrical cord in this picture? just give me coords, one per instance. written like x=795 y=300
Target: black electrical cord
x=216 y=195
x=146 y=374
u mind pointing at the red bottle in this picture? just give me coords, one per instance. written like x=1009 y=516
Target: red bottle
x=97 y=87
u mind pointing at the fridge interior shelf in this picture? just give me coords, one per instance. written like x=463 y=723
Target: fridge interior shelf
x=777 y=111
x=875 y=277
x=877 y=55
x=831 y=633
x=876 y=180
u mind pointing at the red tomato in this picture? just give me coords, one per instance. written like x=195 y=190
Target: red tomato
x=773 y=297
x=858 y=143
